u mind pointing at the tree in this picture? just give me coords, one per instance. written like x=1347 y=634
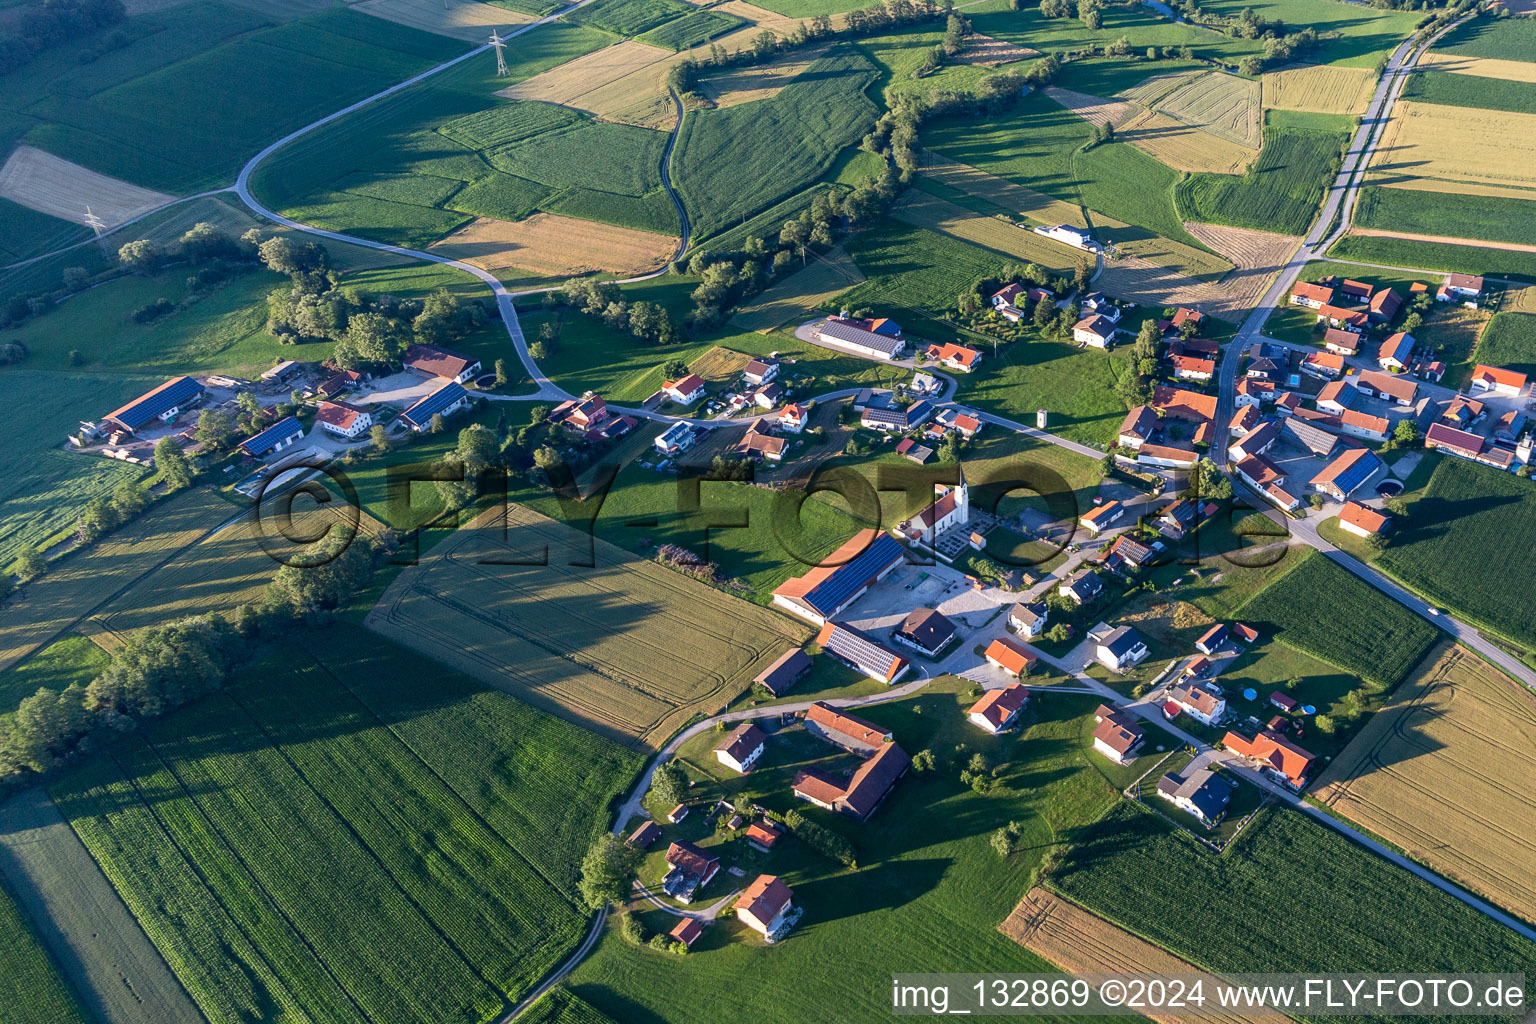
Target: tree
x=371 y=339
x=1251 y=65
x=955 y=31
x=606 y=870
x=30 y=563
x=1045 y=310
x=379 y=438
x=501 y=373
x=129 y=499
x=1397 y=508
x=1405 y=434
x=438 y=423
x=215 y=429
x=1376 y=541
x=141 y=256
x=46 y=727
x=1107 y=463
x=76 y=278
x=669 y=785
x=208 y=242
x=1324 y=724
x=174 y=469
x=1058 y=634
x=310 y=591
x=923 y=761
x=1002 y=842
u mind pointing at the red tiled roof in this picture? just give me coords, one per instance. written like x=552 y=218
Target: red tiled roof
x=764 y=898
x=1498 y=376
x=949 y=350
x=1364 y=517
x=1347 y=340
x=339 y=414
x=1273 y=749
x=1315 y=292
x=1013 y=657
x=687 y=386
x=1184 y=404
x=437 y=361
x=687 y=931
x=828 y=717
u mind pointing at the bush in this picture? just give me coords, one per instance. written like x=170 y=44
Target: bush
x=830 y=844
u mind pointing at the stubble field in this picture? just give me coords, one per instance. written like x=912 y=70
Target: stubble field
x=48 y=184
x=1320 y=88
x=1428 y=140
x=550 y=245
x=457 y=19
x=1438 y=772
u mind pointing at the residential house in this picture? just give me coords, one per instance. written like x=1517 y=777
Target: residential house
x=686 y=391
x=860 y=653
x=764 y=834
x=1244 y=419
x=759 y=443
x=1310 y=436
x=767 y=396
x=1203 y=703
x=161 y=404
x=1007 y=302
x=1359 y=291
x=1498 y=381
x=1364 y=425
x=955 y=357
x=1068 y=235
x=792 y=417
x=1202 y=792
x=642 y=837
x=1029 y=620
x=999 y=710
x=676 y=439
x=925 y=631
x=444 y=402
x=1323 y=364
x=1213 y=639
x=691 y=870
x=1096 y=331
x=1313 y=296
x=1509 y=426
x=740 y=750
x=1011 y=656
x=1258 y=472
x=285 y=433
x=1467 y=286
x=1389 y=387
x=344 y=419
x=1099 y=518
x=441 y=363
x=1177 y=518
x=787 y=670
x=1462 y=412
x=1137 y=427
x=761 y=371
x=823 y=592
x=1275 y=755
x=1122 y=648
x=871 y=782
x=1128 y=552
x=1185 y=321
x=863 y=336
x=1346 y=319
x=1362 y=520
x=1181 y=404
x=581 y=415
x=1082 y=587
x=764 y=905
x=1345 y=474
x=1167 y=456
x=1396 y=353
x=1264 y=368
x=1117 y=736
x=1337 y=397
x=1384 y=305
x=1192 y=367
x=854 y=735
x=1287 y=403
x=342 y=382
x=1256 y=442
x=1342 y=343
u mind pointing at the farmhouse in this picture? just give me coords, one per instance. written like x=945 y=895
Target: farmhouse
x=1068 y=235
x=761 y=371
x=1213 y=639
x=1192 y=367
x=1120 y=649
x=1180 y=404
x=1082 y=587
x=162 y=404
x=691 y=870
x=1137 y=427
x=926 y=631
x=1258 y=472
x=956 y=357
x=343 y=419
x=869 y=786
x=1028 y=620
x=1316 y=440
x=740 y=750
x=1336 y=316
x=1256 y=442
x=998 y=710
x=1313 y=296
x=792 y=418
x=1117 y=736
x=1396 y=352
x=1384 y=305
x=1202 y=793
x=1201 y=703
x=685 y=391
x=1341 y=343
x=1357 y=290
x=1167 y=456
x=1388 y=386
x=1275 y=755
x=861 y=654
x=823 y=592
x=341 y=383
x=1498 y=381
x=444 y=402
x=764 y=906
x=867 y=337
x=282 y=434
x=852 y=734
x=1364 y=425
x=581 y=415
x=787 y=670
x=1323 y=364
x=1096 y=331
x=758 y=443
x=1345 y=474
x=645 y=835
x=1099 y=518
x=1468 y=286
x=676 y=439
x=439 y=362
x=1362 y=520
x=687 y=931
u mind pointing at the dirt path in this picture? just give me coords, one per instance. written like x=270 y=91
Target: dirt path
x=1443 y=239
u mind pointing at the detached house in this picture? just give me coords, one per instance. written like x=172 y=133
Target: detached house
x=1341 y=343
x=691 y=870
x=765 y=905
x=439 y=362
x=343 y=419
x=1117 y=735
x=792 y=418
x=1313 y=296
x=1202 y=793
x=1098 y=519
x=926 y=631
x=1389 y=386
x=1362 y=520
x=761 y=371
x=1201 y=703
x=1275 y=755
x=998 y=710
x=1082 y=587
x=1028 y=620
x=1137 y=427
x=685 y=391
x=1096 y=331
x=955 y=357
x=740 y=750
x=1396 y=352
x=1121 y=649
x=1347 y=319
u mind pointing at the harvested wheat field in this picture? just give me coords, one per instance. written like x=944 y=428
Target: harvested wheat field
x=761 y=18
x=1256 y=256
x=990 y=52
x=758 y=82
x=1520 y=300
x=1320 y=88
x=927 y=211
x=550 y=245
x=1149 y=91
x=48 y=184
x=1224 y=105
x=1185 y=147
x=798 y=295
x=624 y=82
x=457 y=19
x=1081 y=943
x=1444 y=771
x=1037 y=206
x=1481 y=67
x=1096 y=110
x=1391 y=179
x=626 y=647
x=719 y=364
x=1426 y=140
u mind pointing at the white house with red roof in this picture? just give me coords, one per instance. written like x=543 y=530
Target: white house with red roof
x=1101 y=517
x=765 y=906
x=1313 y=296
x=998 y=710
x=344 y=419
x=685 y=391
x=439 y=362
x=1274 y=755
x=740 y=750
x=1095 y=331
x=792 y=417
x=955 y=357
x=1498 y=381
x=1362 y=520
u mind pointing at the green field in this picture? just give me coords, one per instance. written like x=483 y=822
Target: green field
x=723 y=166
x=1414 y=211
x=1304 y=607
x=1501 y=39
x=537 y=8
x=692 y=29
x=1282 y=191
x=915 y=275
x=1345 y=909
x=1471 y=91
x=560 y=1007
x=68 y=660
x=26 y=233
x=343 y=839
x=31 y=988
x=1309 y=121
x=1509 y=340
x=185 y=123
x=1455 y=259
x=629 y=17
x=1470 y=515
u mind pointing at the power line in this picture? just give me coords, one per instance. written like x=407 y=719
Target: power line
x=501 y=58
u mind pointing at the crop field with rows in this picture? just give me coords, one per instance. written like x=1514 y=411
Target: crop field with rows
x=1280 y=193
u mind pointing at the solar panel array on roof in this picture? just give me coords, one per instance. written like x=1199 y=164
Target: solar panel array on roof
x=830 y=594
x=435 y=403
x=264 y=441
x=1355 y=474
x=865 y=653
x=147 y=406
x=862 y=338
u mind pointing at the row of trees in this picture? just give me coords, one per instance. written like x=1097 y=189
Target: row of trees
x=44 y=26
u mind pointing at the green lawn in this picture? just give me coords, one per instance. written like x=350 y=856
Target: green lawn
x=33 y=990
x=1509 y=340
x=1282 y=191
x=340 y=799
x=1455 y=259
x=1490 y=218
x=1076 y=386
x=1345 y=909
x=68 y=660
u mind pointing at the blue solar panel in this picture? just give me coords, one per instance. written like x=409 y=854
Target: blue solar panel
x=435 y=403
x=262 y=442
x=147 y=407
x=1363 y=467
x=831 y=592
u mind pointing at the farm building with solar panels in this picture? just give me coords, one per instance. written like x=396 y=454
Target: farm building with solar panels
x=865 y=559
